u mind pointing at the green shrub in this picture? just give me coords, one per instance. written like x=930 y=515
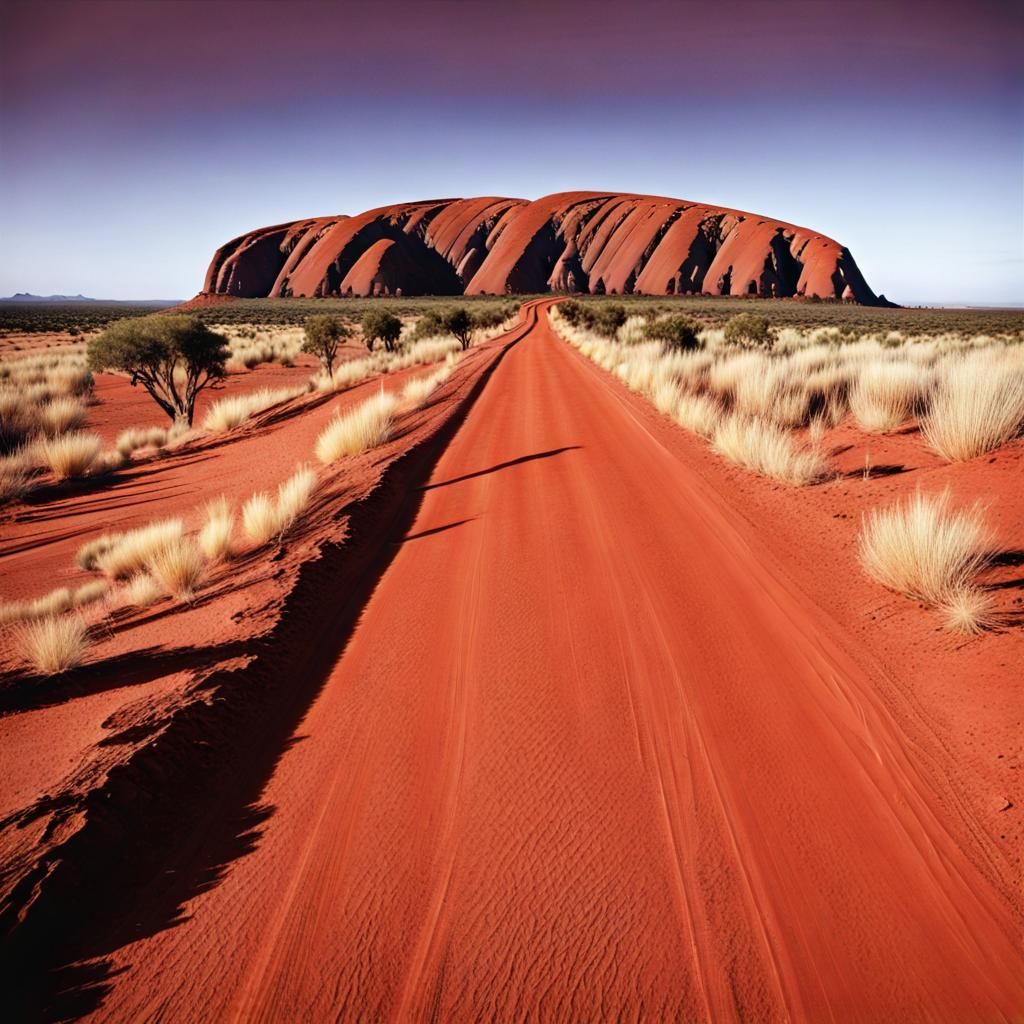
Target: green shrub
x=675 y=332
x=430 y=325
x=572 y=311
x=606 y=319
x=750 y=331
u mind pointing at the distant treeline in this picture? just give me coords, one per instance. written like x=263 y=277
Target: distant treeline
x=78 y=318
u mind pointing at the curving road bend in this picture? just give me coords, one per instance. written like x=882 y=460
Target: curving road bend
x=589 y=756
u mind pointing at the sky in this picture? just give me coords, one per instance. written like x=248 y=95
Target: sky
x=138 y=135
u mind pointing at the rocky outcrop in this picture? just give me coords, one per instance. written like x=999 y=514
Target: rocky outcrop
x=597 y=242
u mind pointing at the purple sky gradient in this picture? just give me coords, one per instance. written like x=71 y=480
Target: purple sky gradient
x=136 y=137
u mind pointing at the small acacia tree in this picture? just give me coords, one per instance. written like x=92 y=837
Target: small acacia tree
x=324 y=335
x=378 y=323
x=675 y=332
x=173 y=357
x=750 y=331
x=459 y=322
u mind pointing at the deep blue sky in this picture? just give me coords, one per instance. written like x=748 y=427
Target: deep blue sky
x=136 y=137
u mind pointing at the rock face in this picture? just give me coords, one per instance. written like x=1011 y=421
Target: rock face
x=595 y=242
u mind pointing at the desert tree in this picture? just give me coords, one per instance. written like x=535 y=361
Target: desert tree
x=459 y=322
x=379 y=324
x=173 y=357
x=324 y=335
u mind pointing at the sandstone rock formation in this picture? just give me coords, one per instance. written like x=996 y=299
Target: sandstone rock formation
x=593 y=242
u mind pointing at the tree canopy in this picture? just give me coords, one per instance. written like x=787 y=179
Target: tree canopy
x=173 y=357
x=380 y=324
x=459 y=322
x=324 y=335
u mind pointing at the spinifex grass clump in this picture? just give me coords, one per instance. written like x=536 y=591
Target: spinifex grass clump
x=265 y=518
x=69 y=455
x=924 y=548
x=53 y=645
x=178 y=566
x=366 y=426
x=217 y=532
x=978 y=405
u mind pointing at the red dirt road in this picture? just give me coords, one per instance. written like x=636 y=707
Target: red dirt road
x=590 y=754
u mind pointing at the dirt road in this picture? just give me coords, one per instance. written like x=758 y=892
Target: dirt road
x=589 y=755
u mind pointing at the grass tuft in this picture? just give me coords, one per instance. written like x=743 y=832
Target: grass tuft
x=978 y=406
x=217 y=532
x=178 y=566
x=70 y=455
x=123 y=555
x=53 y=645
x=293 y=497
x=259 y=518
x=758 y=445
x=365 y=427
x=923 y=548
x=968 y=610
x=60 y=415
x=141 y=591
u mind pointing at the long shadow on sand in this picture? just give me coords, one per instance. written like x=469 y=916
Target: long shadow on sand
x=167 y=825
x=27 y=692
x=503 y=465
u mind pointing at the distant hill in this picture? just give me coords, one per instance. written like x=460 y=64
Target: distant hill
x=598 y=242
x=28 y=297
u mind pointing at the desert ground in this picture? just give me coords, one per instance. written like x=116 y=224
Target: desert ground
x=575 y=675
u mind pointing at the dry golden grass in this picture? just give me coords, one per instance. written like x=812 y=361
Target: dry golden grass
x=968 y=610
x=53 y=645
x=90 y=593
x=293 y=496
x=228 y=413
x=924 y=548
x=365 y=427
x=141 y=591
x=264 y=519
x=813 y=377
x=70 y=455
x=54 y=603
x=178 y=566
x=15 y=477
x=123 y=555
x=217 y=532
x=134 y=438
x=698 y=414
x=419 y=389
x=978 y=406
x=60 y=415
x=758 y=445
x=89 y=553
x=886 y=395
x=259 y=518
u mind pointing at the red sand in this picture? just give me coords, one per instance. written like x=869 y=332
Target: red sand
x=614 y=737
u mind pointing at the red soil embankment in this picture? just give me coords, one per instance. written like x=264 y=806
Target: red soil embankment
x=597 y=748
